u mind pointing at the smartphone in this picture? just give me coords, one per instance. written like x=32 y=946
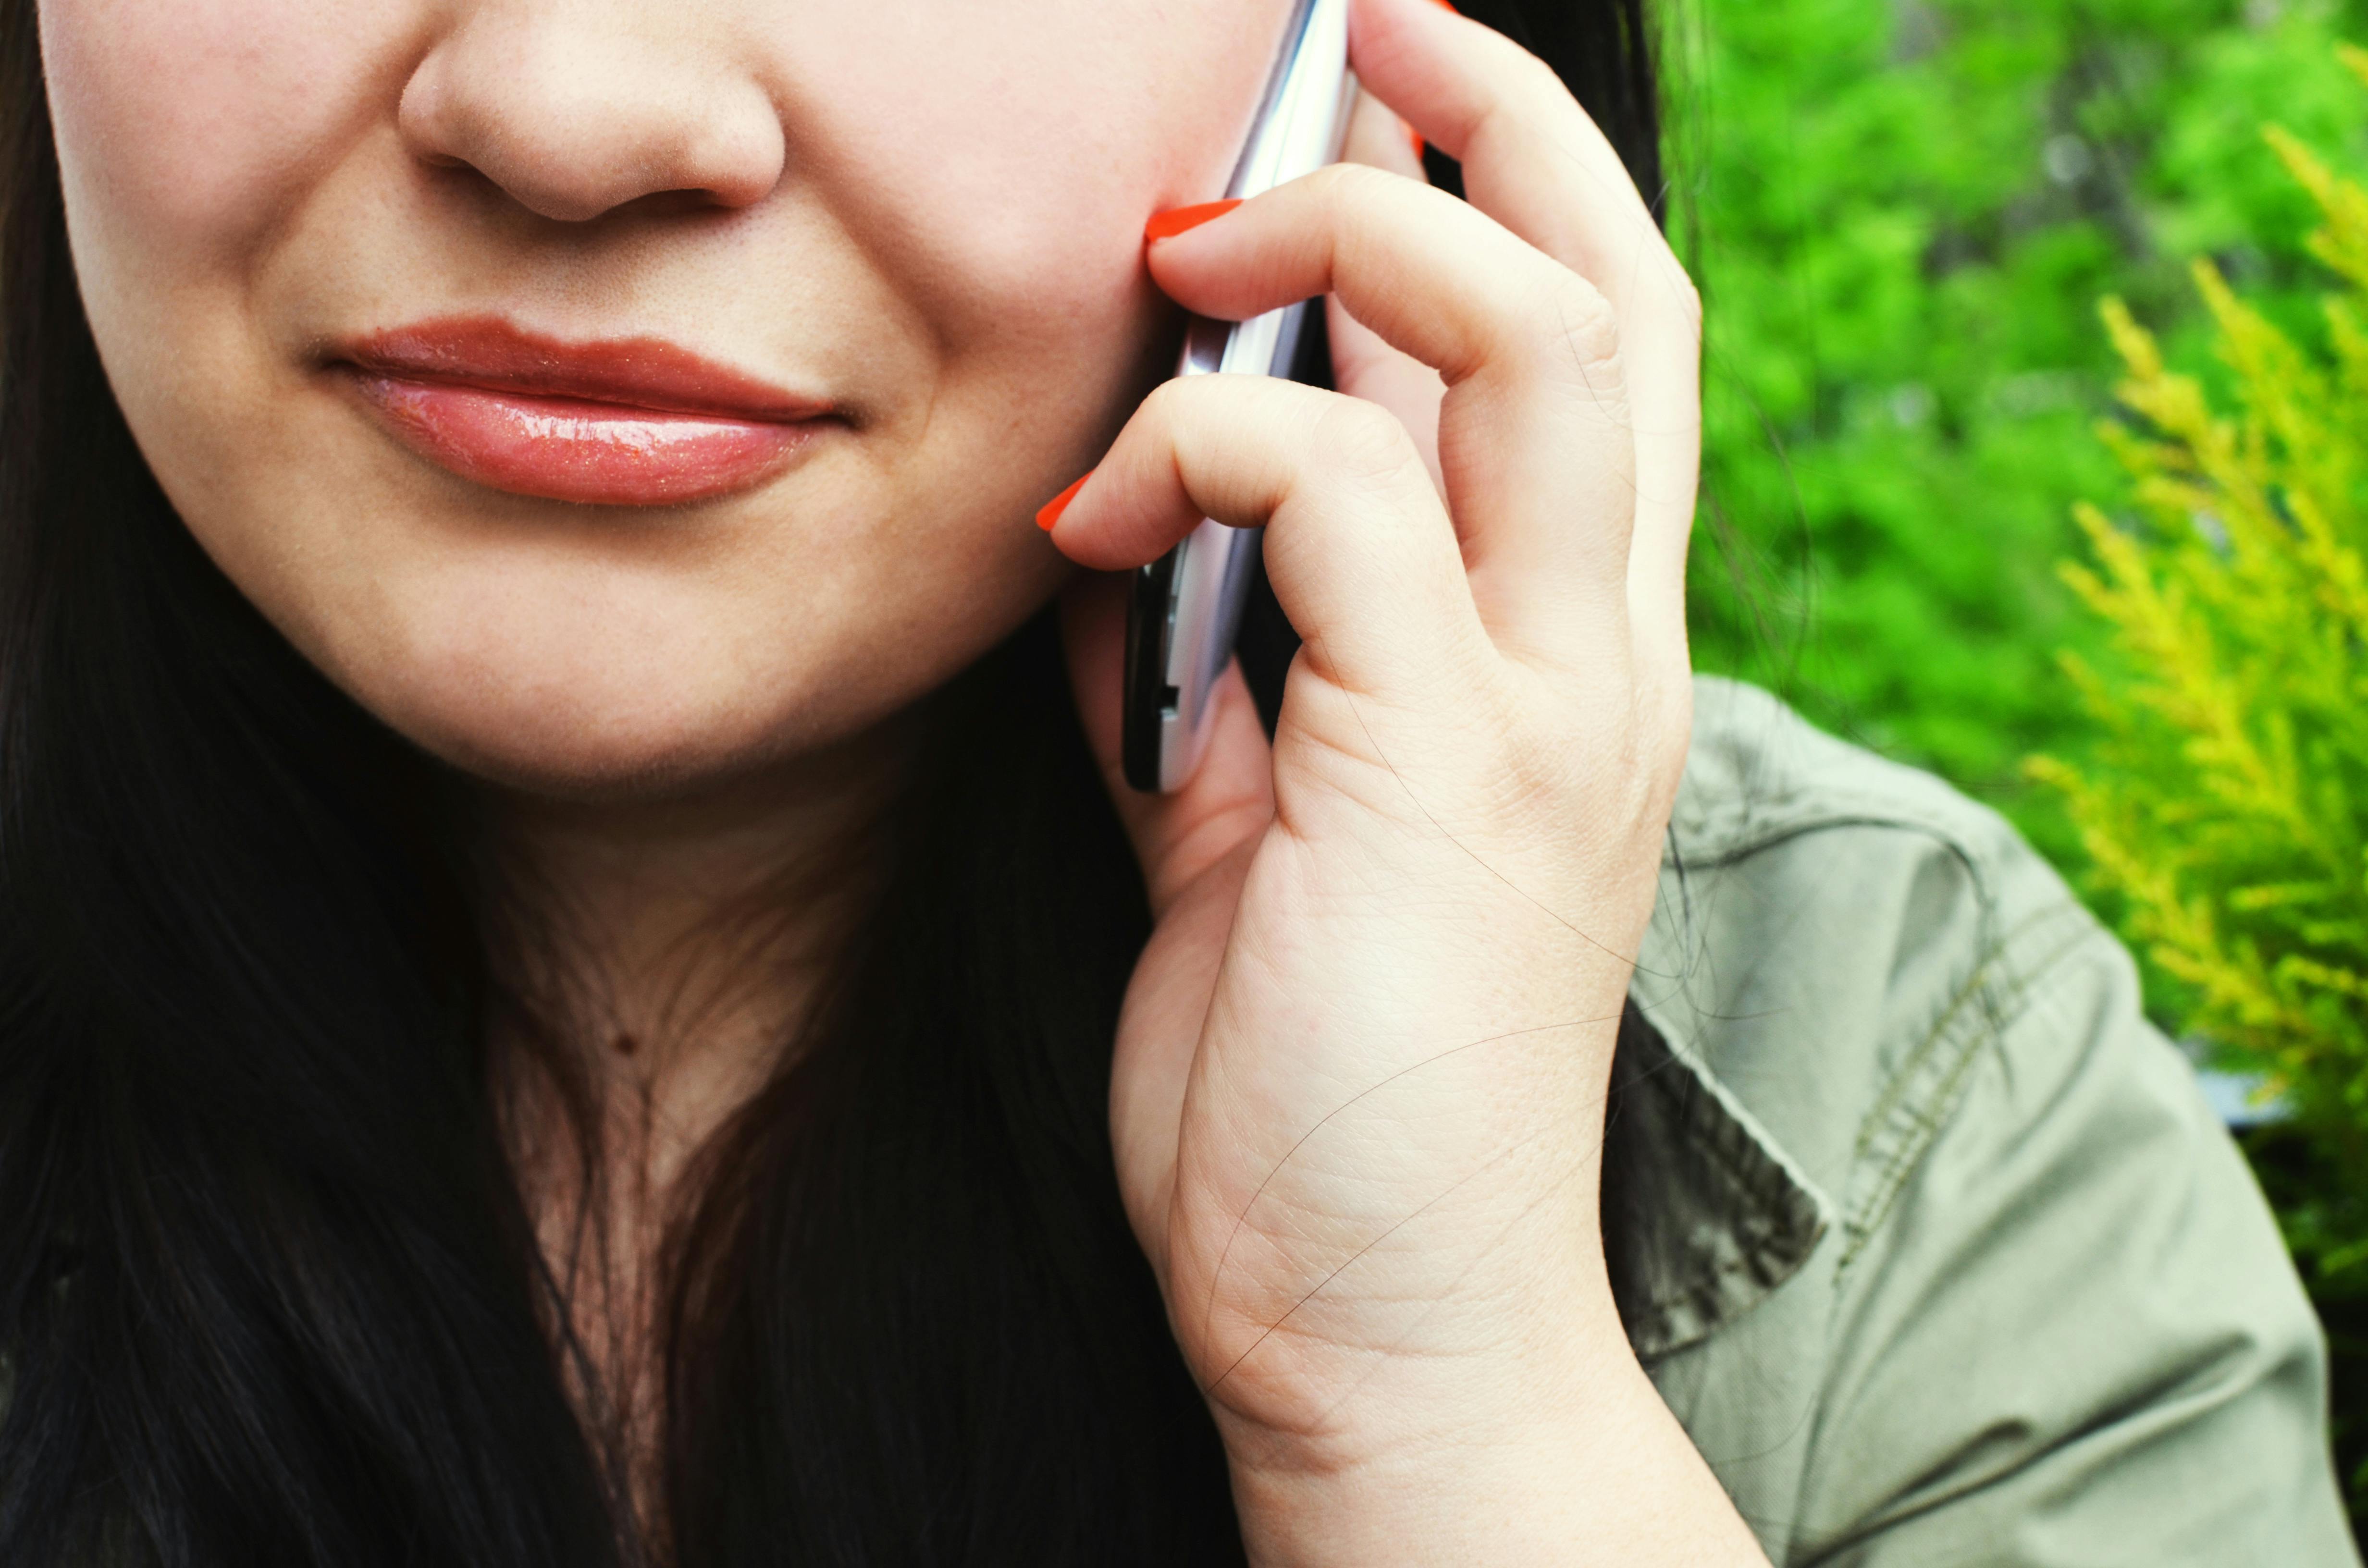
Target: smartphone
x=1186 y=606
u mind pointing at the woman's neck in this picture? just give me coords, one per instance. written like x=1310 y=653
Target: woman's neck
x=657 y=959
x=670 y=948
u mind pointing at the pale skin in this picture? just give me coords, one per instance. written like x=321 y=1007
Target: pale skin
x=1359 y=1082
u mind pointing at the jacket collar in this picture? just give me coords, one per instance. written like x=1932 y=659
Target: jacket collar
x=1703 y=1214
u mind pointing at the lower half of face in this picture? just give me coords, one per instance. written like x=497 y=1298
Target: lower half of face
x=588 y=649
x=613 y=402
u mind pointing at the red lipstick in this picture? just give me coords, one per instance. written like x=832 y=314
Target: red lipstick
x=618 y=422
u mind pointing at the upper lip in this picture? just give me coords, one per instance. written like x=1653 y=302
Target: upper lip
x=647 y=373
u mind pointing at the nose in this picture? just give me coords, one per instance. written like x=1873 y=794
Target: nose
x=576 y=109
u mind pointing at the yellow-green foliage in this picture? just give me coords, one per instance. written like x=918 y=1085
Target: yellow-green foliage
x=2225 y=801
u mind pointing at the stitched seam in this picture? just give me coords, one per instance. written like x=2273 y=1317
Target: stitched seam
x=1923 y=1115
x=1895 y=1088
x=1910 y=1124
x=1733 y=830
x=1923 y=1124
x=2003 y=992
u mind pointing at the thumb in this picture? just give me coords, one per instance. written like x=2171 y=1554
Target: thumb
x=1230 y=798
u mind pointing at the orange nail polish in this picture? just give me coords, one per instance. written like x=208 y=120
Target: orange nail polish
x=1051 y=511
x=1448 y=6
x=1175 y=219
x=1415 y=136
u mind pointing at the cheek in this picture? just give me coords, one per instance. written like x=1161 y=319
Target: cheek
x=186 y=129
x=190 y=134
x=1010 y=183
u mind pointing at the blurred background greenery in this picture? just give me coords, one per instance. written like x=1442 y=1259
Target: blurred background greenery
x=1903 y=214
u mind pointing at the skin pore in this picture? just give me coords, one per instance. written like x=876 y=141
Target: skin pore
x=1357 y=1088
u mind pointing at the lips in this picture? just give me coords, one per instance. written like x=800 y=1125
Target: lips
x=621 y=422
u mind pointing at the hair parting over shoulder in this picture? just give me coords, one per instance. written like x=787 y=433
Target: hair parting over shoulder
x=267 y=1290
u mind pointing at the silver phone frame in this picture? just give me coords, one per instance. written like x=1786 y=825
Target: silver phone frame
x=1186 y=606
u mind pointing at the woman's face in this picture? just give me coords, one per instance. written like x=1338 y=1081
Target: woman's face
x=618 y=394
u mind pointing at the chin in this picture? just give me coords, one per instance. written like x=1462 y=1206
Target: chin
x=562 y=676
x=643 y=737
x=604 y=767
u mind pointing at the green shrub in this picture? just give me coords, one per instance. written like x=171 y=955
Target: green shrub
x=1902 y=212
x=2224 y=805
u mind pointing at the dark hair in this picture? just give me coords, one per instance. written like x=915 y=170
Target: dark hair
x=268 y=1292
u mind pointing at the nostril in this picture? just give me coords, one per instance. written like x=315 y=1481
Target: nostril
x=572 y=124
x=670 y=203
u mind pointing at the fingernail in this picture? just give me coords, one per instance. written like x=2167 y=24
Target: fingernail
x=1415 y=138
x=1175 y=219
x=1448 y=6
x=1049 y=513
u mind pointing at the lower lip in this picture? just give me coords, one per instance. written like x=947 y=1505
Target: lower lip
x=564 y=448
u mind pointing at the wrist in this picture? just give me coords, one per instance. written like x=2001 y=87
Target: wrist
x=1504 y=1499
x=1579 y=1462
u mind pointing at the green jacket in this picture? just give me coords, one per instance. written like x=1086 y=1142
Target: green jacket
x=1934 y=1245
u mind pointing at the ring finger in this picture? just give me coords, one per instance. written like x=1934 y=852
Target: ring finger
x=1533 y=161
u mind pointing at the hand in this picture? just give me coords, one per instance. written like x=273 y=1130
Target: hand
x=1359 y=1088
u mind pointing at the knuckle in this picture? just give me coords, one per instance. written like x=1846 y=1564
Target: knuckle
x=1608 y=770
x=1541 y=84
x=1567 y=335
x=1167 y=405
x=1340 y=186
x=1522 y=85
x=1529 y=745
x=1539 y=761
x=1191 y=411
x=1360 y=441
x=1580 y=325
